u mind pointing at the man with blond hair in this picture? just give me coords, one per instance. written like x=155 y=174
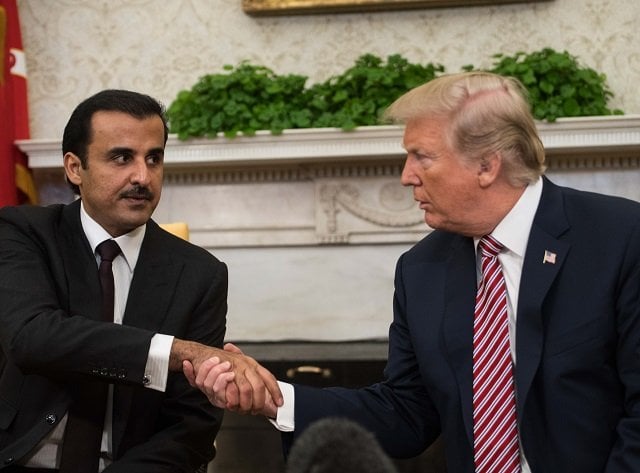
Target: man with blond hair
x=516 y=329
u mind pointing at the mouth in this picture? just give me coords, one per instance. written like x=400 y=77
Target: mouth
x=423 y=204
x=136 y=197
x=136 y=201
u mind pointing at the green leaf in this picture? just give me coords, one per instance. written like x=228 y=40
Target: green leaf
x=248 y=97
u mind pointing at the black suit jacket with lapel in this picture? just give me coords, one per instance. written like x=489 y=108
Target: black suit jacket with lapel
x=577 y=348
x=51 y=337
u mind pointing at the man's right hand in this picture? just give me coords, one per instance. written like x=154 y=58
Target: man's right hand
x=248 y=386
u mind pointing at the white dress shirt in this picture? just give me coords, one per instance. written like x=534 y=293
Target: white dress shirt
x=47 y=454
x=513 y=232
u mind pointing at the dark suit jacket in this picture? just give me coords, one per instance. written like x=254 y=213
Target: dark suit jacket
x=578 y=345
x=51 y=338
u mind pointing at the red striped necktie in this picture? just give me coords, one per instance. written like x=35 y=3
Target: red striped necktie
x=495 y=431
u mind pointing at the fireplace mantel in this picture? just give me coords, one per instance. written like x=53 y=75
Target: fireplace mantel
x=572 y=138
x=311 y=222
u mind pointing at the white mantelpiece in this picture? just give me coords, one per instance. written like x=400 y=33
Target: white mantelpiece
x=311 y=222
x=567 y=136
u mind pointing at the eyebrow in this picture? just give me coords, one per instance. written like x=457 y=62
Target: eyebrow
x=156 y=151
x=125 y=150
x=120 y=150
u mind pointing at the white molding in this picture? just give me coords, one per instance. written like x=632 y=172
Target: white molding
x=567 y=137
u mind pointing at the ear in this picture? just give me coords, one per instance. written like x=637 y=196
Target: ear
x=489 y=169
x=72 y=167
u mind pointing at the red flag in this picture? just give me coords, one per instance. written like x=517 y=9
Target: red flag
x=16 y=182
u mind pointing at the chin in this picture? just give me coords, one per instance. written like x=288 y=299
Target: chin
x=135 y=219
x=431 y=221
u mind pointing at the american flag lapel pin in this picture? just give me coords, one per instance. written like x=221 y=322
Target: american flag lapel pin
x=549 y=257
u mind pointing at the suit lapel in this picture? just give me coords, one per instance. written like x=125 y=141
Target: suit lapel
x=543 y=260
x=154 y=281
x=460 y=291
x=83 y=285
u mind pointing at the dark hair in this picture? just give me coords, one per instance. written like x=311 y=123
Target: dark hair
x=77 y=133
x=337 y=445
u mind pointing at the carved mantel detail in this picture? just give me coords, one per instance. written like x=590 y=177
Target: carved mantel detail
x=389 y=211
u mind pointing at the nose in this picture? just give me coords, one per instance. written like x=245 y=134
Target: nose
x=408 y=176
x=140 y=172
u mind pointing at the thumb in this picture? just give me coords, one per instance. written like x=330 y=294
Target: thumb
x=230 y=347
x=189 y=372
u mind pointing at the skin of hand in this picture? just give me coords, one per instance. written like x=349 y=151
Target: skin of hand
x=253 y=386
x=214 y=378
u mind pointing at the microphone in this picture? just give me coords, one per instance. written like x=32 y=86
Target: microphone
x=336 y=444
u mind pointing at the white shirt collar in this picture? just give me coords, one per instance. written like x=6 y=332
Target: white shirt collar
x=514 y=229
x=129 y=243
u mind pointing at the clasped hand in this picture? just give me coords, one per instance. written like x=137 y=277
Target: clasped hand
x=237 y=383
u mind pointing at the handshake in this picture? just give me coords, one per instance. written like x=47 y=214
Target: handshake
x=229 y=378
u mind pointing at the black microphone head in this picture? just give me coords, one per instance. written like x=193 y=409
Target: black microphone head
x=337 y=445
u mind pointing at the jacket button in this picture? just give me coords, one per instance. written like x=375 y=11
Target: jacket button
x=8 y=460
x=51 y=419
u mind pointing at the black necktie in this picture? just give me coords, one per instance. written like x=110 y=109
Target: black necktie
x=83 y=434
x=107 y=250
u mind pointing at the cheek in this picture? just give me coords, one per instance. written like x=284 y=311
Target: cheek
x=454 y=195
x=107 y=188
x=157 y=180
x=439 y=185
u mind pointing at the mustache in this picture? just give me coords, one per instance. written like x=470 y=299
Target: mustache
x=138 y=192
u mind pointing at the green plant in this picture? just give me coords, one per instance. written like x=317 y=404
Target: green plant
x=246 y=99
x=250 y=97
x=558 y=85
x=358 y=96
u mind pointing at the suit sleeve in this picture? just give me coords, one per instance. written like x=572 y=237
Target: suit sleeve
x=625 y=454
x=398 y=410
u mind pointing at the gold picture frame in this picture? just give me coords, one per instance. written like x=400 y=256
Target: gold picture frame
x=300 y=7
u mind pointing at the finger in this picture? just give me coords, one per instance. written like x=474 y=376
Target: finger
x=258 y=390
x=216 y=372
x=245 y=392
x=204 y=368
x=219 y=386
x=208 y=373
x=232 y=348
x=270 y=410
x=272 y=385
x=189 y=372
x=267 y=401
x=217 y=396
x=233 y=397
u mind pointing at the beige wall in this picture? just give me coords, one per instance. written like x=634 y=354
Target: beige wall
x=77 y=47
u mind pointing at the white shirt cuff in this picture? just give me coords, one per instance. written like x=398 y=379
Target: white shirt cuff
x=156 y=370
x=285 y=421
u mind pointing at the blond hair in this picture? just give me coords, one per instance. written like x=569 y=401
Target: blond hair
x=486 y=114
